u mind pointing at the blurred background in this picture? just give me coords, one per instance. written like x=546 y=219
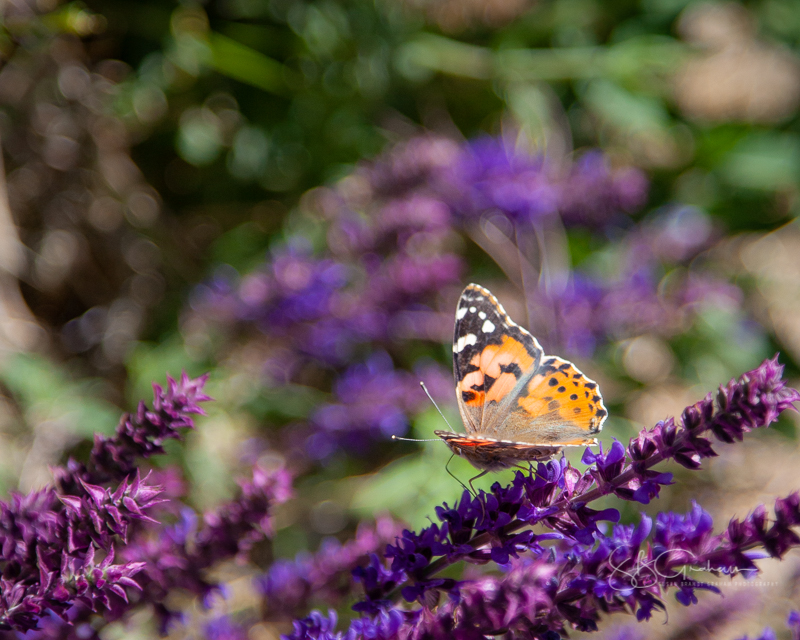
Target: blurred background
x=291 y=195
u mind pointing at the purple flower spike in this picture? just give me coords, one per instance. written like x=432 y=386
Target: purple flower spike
x=316 y=627
x=109 y=513
x=139 y=435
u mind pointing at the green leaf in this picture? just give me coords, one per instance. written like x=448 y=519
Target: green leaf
x=625 y=110
x=240 y=62
x=48 y=392
x=764 y=160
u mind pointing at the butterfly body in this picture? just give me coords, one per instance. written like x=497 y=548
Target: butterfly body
x=517 y=404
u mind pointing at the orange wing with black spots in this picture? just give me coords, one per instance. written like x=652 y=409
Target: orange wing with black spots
x=517 y=404
x=558 y=405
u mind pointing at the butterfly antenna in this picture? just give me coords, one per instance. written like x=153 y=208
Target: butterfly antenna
x=430 y=397
x=427 y=393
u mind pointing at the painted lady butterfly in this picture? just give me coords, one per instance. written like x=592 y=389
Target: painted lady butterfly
x=517 y=403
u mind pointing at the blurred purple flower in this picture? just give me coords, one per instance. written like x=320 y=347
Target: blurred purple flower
x=767 y=634
x=674 y=234
x=390 y=225
x=179 y=556
x=793 y=622
x=410 y=165
x=498 y=174
x=590 y=311
x=224 y=628
x=324 y=309
x=370 y=397
x=592 y=194
x=290 y=585
x=494 y=174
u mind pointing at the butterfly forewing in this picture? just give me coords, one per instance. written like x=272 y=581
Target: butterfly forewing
x=491 y=356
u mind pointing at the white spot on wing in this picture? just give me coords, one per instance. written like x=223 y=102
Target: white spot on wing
x=482 y=315
x=487 y=327
x=462 y=311
x=472 y=309
x=465 y=341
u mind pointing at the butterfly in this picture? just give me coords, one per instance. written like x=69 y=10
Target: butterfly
x=517 y=404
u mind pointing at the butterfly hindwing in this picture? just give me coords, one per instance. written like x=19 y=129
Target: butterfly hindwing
x=491 y=356
x=558 y=405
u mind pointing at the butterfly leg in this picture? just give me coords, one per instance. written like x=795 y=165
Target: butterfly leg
x=450 y=473
x=475 y=493
x=480 y=475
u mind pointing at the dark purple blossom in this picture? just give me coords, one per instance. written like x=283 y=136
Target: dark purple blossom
x=317 y=627
x=384 y=625
x=573 y=584
x=59 y=544
x=110 y=513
